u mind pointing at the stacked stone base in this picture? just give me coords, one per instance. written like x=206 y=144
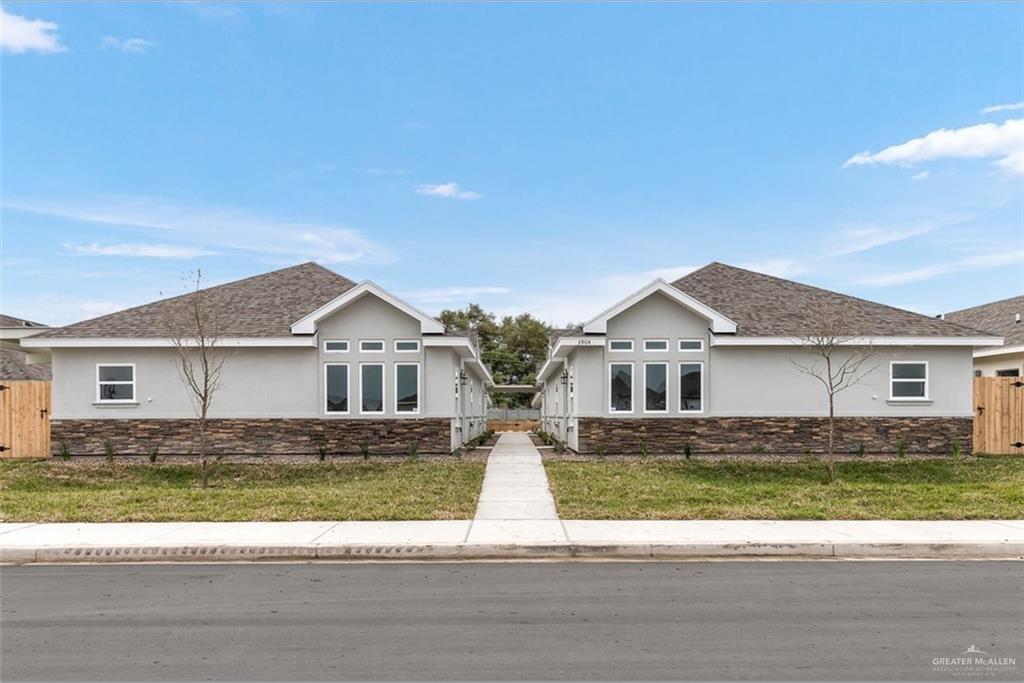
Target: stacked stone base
x=263 y=436
x=774 y=435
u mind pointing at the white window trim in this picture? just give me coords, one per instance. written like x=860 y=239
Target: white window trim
x=632 y=387
x=99 y=396
x=403 y=341
x=348 y=388
x=697 y=350
x=927 y=375
x=348 y=346
x=679 y=379
x=665 y=364
x=419 y=387
x=382 y=349
x=667 y=348
x=613 y=342
x=383 y=389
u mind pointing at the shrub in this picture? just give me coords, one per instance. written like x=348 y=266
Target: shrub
x=108 y=447
x=321 y=453
x=957 y=449
x=364 y=450
x=860 y=450
x=901 y=448
x=414 y=449
x=760 y=449
x=65 y=454
x=601 y=451
x=687 y=451
x=643 y=450
x=153 y=453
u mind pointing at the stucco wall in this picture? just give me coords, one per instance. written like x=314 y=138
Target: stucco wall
x=988 y=366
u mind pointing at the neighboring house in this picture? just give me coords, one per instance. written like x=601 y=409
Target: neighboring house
x=314 y=360
x=1002 y=319
x=15 y=362
x=707 y=362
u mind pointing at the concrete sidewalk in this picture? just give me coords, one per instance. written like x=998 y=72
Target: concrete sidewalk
x=508 y=539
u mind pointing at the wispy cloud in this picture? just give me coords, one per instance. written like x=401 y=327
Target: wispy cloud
x=385 y=171
x=221 y=228
x=19 y=35
x=449 y=190
x=1015 y=106
x=143 y=250
x=448 y=294
x=905 y=276
x=135 y=46
x=923 y=175
x=859 y=238
x=1004 y=142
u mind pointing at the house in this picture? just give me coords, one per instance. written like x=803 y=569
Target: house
x=1002 y=319
x=707 y=362
x=15 y=362
x=312 y=360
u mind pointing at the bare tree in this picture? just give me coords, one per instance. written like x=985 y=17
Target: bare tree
x=194 y=331
x=837 y=360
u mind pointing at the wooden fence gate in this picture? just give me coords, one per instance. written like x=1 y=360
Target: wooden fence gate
x=24 y=419
x=998 y=415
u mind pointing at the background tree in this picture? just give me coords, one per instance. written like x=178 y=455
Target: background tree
x=194 y=331
x=835 y=362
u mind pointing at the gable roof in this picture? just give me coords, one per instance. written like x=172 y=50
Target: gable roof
x=14 y=367
x=263 y=306
x=11 y=321
x=997 y=317
x=308 y=323
x=719 y=322
x=767 y=306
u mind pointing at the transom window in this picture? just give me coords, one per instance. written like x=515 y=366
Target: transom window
x=336 y=387
x=407 y=387
x=620 y=389
x=371 y=388
x=620 y=345
x=115 y=383
x=908 y=380
x=655 y=387
x=371 y=345
x=407 y=345
x=691 y=387
x=691 y=344
x=336 y=345
x=655 y=344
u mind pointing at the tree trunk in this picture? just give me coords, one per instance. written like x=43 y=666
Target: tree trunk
x=829 y=463
x=202 y=452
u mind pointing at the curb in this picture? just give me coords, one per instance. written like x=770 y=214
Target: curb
x=493 y=551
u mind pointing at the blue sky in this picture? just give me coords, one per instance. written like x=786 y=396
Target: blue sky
x=540 y=158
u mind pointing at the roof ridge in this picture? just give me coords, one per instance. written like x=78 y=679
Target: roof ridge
x=986 y=305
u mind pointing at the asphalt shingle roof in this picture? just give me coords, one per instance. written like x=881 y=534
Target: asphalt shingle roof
x=14 y=367
x=11 y=321
x=767 y=306
x=260 y=306
x=996 y=318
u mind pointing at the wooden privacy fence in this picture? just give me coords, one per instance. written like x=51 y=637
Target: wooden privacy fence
x=24 y=419
x=998 y=415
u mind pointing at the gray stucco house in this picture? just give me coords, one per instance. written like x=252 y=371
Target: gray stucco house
x=313 y=360
x=1003 y=318
x=707 y=362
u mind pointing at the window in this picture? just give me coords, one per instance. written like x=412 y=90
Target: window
x=336 y=387
x=407 y=345
x=691 y=387
x=908 y=380
x=691 y=344
x=620 y=345
x=371 y=388
x=336 y=345
x=115 y=383
x=407 y=387
x=371 y=345
x=977 y=373
x=1013 y=372
x=620 y=387
x=655 y=344
x=655 y=387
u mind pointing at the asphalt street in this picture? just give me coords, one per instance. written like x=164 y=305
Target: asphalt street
x=557 y=620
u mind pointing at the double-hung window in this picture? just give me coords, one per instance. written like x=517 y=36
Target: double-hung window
x=336 y=388
x=115 y=383
x=691 y=387
x=371 y=388
x=407 y=387
x=620 y=387
x=908 y=380
x=655 y=387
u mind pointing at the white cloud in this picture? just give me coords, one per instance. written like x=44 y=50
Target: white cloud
x=935 y=270
x=136 y=46
x=923 y=175
x=1015 y=106
x=1003 y=142
x=221 y=228
x=143 y=250
x=448 y=191
x=18 y=35
x=385 y=171
x=449 y=294
x=854 y=240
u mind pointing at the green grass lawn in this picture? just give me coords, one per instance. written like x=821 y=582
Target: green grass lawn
x=238 y=492
x=918 y=489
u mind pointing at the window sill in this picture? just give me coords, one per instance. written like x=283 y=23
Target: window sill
x=909 y=401
x=116 y=404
